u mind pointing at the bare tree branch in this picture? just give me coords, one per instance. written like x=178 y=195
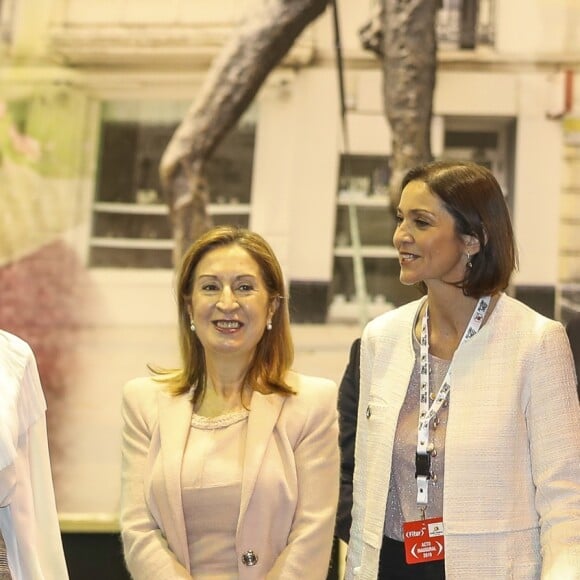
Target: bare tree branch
x=233 y=81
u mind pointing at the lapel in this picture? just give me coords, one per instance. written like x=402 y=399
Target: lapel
x=383 y=388
x=174 y=427
x=264 y=412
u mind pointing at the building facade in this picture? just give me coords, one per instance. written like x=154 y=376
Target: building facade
x=90 y=93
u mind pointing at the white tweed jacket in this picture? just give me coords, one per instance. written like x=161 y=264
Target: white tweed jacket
x=512 y=451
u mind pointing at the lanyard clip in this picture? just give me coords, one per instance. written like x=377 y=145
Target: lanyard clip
x=423 y=465
x=423 y=474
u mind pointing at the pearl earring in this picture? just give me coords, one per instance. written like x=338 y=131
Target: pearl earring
x=192 y=326
x=269 y=325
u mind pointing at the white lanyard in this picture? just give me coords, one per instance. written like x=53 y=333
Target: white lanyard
x=426 y=412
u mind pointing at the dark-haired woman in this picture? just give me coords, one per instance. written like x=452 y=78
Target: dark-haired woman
x=467 y=460
x=231 y=463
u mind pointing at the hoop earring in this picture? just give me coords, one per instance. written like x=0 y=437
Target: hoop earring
x=192 y=326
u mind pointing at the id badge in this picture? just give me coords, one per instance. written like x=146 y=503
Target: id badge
x=424 y=541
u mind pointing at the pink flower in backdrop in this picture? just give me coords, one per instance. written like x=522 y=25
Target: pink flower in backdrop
x=43 y=298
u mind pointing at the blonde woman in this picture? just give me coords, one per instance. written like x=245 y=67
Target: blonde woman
x=231 y=463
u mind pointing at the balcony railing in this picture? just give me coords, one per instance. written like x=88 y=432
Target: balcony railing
x=461 y=25
x=466 y=24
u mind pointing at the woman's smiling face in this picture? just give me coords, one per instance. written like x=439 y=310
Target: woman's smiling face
x=230 y=305
x=430 y=249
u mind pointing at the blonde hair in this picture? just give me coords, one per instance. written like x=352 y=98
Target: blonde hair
x=274 y=352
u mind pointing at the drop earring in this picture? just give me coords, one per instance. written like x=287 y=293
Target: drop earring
x=192 y=326
x=269 y=325
x=469 y=264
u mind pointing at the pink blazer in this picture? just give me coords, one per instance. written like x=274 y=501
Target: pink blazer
x=289 y=486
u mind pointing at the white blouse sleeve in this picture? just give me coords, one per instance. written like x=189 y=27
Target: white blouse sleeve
x=28 y=515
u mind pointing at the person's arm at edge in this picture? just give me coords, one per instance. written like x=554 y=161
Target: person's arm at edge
x=33 y=504
x=348 y=396
x=146 y=552
x=553 y=425
x=573 y=332
x=307 y=554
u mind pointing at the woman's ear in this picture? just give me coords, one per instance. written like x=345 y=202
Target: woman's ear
x=472 y=245
x=274 y=303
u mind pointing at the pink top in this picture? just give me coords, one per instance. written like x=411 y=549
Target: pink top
x=211 y=492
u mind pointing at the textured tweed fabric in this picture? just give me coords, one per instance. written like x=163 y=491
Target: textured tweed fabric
x=512 y=461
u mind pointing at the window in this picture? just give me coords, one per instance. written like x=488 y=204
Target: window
x=465 y=24
x=131 y=226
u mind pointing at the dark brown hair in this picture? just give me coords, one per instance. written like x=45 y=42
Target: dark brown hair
x=472 y=195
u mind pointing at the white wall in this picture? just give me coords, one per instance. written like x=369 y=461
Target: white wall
x=538 y=185
x=177 y=12
x=534 y=27
x=296 y=172
x=274 y=164
x=299 y=147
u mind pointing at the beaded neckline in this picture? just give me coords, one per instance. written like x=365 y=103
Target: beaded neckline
x=219 y=422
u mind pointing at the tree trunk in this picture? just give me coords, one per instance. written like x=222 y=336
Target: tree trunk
x=409 y=50
x=233 y=80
